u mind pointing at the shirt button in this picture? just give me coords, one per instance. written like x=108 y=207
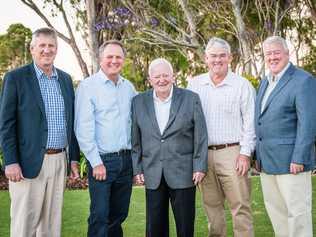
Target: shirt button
x=260 y=139
x=259 y=123
x=162 y=140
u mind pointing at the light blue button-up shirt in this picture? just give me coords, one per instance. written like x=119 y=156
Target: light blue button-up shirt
x=103 y=116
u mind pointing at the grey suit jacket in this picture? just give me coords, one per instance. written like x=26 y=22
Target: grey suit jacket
x=179 y=151
x=285 y=129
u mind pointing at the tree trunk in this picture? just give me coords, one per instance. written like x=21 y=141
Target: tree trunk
x=92 y=35
x=244 y=43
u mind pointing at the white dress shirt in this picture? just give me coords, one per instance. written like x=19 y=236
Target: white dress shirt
x=162 y=110
x=273 y=81
x=228 y=108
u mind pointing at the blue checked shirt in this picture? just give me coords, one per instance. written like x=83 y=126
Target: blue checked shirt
x=54 y=108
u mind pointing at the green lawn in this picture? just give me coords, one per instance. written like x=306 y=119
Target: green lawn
x=76 y=212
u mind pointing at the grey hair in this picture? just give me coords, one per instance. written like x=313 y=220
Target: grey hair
x=43 y=31
x=108 y=42
x=275 y=40
x=159 y=61
x=218 y=41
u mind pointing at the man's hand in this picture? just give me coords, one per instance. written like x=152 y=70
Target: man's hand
x=74 y=172
x=99 y=172
x=198 y=177
x=242 y=164
x=139 y=179
x=14 y=173
x=296 y=168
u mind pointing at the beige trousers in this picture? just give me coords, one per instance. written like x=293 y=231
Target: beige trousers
x=36 y=204
x=220 y=183
x=288 y=200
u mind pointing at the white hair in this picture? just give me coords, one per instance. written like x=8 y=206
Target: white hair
x=157 y=62
x=219 y=43
x=275 y=40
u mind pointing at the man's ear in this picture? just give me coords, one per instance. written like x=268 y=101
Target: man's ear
x=205 y=58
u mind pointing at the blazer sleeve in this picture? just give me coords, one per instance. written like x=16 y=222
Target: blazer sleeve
x=136 y=142
x=200 y=154
x=306 y=116
x=8 y=120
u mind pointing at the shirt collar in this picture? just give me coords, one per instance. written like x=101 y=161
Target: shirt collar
x=164 y=101
x=228 y=80
x=104 y=77
x=279 y=75
x=40 y=74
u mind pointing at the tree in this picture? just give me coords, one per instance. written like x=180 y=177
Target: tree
x=179 y=30
x=57 y=8
x=14 y=47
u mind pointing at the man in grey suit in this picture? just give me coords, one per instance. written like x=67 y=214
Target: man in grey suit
x=169 y=150
x=285 y=127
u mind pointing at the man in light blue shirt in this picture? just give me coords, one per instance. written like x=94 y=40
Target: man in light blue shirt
x=103 y=127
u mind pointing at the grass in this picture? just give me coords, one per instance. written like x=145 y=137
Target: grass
x=76 y=204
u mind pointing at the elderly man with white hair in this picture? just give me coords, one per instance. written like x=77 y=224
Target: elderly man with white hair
x=169 y=150
x=228 y=103
x=285 y=128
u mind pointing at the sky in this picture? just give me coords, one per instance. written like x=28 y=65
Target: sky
x=14 y=11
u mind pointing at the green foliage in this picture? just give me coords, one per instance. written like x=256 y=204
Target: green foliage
x=309 y=61
x=254 y=81
x=14 y=47
x=1 y=160
x=83 y=169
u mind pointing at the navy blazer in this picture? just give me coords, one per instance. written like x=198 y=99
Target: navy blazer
x=286 y=127
x=23 y=123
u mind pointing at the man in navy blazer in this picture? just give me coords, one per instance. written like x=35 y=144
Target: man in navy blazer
x=37 y=138
x=285 y=129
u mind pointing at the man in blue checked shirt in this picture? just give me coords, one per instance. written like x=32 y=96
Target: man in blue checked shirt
x=37 y=138
x=103 y=130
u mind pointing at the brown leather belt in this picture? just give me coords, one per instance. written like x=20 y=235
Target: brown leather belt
x=54 y=151
x=222 y=146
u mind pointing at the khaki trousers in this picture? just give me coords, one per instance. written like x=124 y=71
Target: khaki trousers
x=36 y=204
x=288 y=200
x=220 y=183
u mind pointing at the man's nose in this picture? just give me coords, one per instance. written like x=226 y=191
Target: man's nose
x=45 y=49
x=114 y=60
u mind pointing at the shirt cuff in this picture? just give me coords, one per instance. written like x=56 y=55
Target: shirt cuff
x=245 y=151
x=95 y=162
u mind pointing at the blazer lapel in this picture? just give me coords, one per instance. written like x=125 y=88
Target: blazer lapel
x=283 y=81
x=36 y=89
x=149 y=102
x=175 y=105
x=65 y=96
x=262 y=89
